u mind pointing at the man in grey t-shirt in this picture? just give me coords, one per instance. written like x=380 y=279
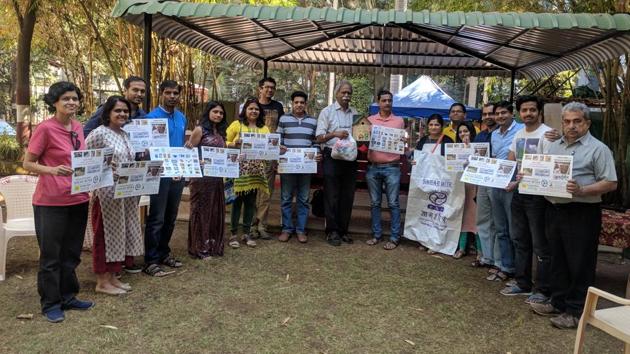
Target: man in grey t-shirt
x=573 y=224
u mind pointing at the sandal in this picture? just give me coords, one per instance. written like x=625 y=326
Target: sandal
x=430 y=251
x=154 y=270
x=233 y=242
x=373 y=241
x=390 y=245
x=172 y=262
x=493 y=270
x=249 y=240
x=499 y=276
x=459 y=254
x=479 y=264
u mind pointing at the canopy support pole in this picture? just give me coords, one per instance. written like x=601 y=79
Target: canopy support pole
x=265 y=69
x=512 y=81
x=146 y=59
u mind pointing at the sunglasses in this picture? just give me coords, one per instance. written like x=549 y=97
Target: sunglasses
x=74 y=140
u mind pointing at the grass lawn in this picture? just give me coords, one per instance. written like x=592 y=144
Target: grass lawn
x=288 y=298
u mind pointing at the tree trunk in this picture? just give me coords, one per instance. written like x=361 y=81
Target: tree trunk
x=23 y=70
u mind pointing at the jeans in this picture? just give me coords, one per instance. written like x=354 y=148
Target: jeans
x=389 y=176
x=300 y=186
x=161 y=220
x=60 y=231
x=501 y=203
x=574 y=237
x=248 y=203
x=339 y=182
x=485 y=227
x=528 y=235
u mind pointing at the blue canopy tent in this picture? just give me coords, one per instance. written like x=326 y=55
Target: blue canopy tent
x=422 y=98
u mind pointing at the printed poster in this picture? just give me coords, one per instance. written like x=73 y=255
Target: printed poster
x=91 y=170
x=457 y=154
x=257 y=146
x=146 y=133
x=386 y=139
x=137 y=178
x=178 y=161
x=296 y=160
x=489 y=172
x=220 y=162
x=546 y=175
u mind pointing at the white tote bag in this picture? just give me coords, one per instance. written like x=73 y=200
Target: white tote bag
x=435 y=204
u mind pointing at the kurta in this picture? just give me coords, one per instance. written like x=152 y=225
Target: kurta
x=121 y=221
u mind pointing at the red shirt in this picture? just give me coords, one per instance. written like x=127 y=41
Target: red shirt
x=52 y=144
x=390 y=122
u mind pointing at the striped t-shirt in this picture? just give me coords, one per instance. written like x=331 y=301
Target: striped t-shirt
x=297 y=132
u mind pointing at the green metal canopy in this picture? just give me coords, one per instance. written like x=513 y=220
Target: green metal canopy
x=391 y=42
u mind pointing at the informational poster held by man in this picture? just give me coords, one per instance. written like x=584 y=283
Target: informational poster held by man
x=296 y=160
x=220 y=162
x=546 y=175
x=457 y=154
x=146 y=133
x=92 y=169
x=257 y=146
x=489 y=172
x=137 y=178
x=386 y=139
x=178 y=161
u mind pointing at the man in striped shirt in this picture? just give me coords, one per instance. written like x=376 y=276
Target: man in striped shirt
x=297 y=130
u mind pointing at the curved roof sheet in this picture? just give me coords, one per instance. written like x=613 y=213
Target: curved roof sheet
x=367 y=41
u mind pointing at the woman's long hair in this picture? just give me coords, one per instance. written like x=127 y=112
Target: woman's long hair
x=206 y=124
x=260 y=120
x=471 y=129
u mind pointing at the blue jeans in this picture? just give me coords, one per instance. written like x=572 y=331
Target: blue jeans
x=388 y=175
x=300 y=186
x=501 y=202
x=485 y=226
x=161 y=220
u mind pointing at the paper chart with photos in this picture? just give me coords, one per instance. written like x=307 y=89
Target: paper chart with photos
x=386 y=139
x=220 y=162
x=91 y=169
x=178 y=161
x=146 y=133
x=137 y=178
x=489 y=172
x=298 y=160
x=257 y=146
x=456 y=154
x=546 y=175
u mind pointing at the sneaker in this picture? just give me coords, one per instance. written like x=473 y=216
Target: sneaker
x=334 y=239
x=545 y=309
x=76 y=304
x=284 y=237
x=537 y=298
x=565 y=321
x=514 y=290
x=133 y=269
x=264 y=235
x=54 y=315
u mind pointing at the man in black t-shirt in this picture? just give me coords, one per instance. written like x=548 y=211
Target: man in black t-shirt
x=273 y=110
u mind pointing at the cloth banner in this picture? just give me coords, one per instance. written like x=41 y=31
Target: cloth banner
x=435 y=204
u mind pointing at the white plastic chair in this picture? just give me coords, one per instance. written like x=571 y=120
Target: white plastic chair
x=17 y=192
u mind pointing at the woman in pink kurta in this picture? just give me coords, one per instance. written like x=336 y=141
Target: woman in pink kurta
x=465 y=134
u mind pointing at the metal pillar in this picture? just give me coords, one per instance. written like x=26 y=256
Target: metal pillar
x=146 y=59
x=512 y=79
x=265 y=69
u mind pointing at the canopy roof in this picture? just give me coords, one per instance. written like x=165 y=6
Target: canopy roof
x=422 y=98
x=390 y=42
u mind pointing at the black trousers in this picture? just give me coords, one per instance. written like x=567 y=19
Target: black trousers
x=60 y=231
x=529 y=238
x=573 y=231
x=339 y=183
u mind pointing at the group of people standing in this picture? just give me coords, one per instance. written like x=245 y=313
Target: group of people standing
x=509 y=228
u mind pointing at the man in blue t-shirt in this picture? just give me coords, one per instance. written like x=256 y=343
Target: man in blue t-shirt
x=164 y=205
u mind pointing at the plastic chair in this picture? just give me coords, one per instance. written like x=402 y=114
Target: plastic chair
x=614 y=321
x=17 y=192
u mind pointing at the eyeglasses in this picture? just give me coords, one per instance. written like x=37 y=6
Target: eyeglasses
x=74 y=140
